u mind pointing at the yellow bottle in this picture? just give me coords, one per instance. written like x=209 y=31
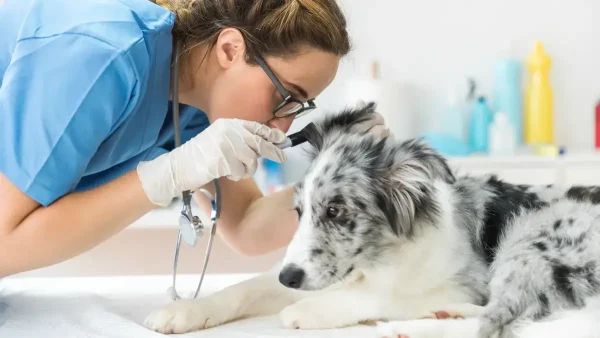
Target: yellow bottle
x=539 y=119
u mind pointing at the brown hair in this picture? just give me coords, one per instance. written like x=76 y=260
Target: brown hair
x=270 y=27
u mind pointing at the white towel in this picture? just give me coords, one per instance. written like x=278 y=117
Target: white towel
x=116 y=307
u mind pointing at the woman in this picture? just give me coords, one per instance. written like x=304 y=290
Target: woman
x=85 y=105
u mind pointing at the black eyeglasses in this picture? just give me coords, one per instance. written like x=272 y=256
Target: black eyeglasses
x=290 y=105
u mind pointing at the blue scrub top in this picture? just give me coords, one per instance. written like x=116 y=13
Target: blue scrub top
x=84 y=89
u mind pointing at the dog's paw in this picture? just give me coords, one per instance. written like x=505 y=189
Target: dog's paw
x=187 y=315
x=296 y=316
x=424 y=328
x=428 y=328
x=304 y=315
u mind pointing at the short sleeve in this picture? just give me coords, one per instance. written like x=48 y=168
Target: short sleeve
x=198 y=123
x=60 y=98
x=193 y=120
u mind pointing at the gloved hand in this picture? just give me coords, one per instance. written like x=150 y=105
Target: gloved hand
x=227 y=148
x=375 y=125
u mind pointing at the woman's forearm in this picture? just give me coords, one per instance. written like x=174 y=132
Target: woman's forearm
x=251 y=223
x=72 y=225
x=269 y=223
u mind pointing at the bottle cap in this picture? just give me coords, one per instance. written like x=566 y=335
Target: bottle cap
x=375 y=70
x=501 y=118
x=539 y=59
x=452 y=99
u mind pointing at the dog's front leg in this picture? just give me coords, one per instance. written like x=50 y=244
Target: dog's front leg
x=358 y=303
x=258 y=296
x=334 y=309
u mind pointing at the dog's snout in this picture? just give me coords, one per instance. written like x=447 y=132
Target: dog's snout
x=292 y=276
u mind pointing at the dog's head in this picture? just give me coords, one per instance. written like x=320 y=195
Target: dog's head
x=362 y=195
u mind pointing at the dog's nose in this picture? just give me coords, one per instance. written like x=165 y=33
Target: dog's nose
x=291 y=276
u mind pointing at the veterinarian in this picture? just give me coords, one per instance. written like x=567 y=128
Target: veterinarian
x=86 y=124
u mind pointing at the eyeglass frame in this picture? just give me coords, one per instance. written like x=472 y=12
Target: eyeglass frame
x=288 y=98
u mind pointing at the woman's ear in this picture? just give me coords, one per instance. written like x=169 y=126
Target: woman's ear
x=230 y=47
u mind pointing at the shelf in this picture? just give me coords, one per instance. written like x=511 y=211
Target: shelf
x=574 y=168
x=574 y=158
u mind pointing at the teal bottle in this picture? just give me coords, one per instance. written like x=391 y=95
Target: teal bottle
x=454 y=122
x=481 y=117
x=507 y=93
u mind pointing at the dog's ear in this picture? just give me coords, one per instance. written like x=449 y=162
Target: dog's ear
x=407 y=190
x=430 y=161
x=410 y=194
x=356 y=120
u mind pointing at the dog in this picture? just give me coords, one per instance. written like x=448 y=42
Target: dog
x=388 y=233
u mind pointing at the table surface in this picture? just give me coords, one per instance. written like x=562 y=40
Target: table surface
x=116 y=307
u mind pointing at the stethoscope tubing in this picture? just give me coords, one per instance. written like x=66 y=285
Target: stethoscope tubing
x=187 y=197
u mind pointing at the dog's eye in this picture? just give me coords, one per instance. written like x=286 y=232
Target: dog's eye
x=333 y=212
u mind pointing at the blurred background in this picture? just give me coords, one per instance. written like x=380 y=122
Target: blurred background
x=429 y=51
x=467 y=75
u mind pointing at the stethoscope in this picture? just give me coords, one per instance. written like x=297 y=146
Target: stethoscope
x=190 y=226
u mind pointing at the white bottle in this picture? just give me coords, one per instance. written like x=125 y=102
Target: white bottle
x=501 y=139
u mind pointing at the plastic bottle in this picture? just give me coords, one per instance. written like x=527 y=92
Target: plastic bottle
x=273 y=176
x=502 y=139
x=507 y=91
x=454 y=119
x=260 y=176
x=481 y=117
x=539 y=119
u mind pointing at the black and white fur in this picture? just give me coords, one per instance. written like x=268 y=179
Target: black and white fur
x=387 y=232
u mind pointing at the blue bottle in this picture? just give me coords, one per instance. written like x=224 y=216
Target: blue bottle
x=508 y=93
x=481 y=117
x=274 y=180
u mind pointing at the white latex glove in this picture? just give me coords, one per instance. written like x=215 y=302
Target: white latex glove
x=227 y=148
x=376 y=125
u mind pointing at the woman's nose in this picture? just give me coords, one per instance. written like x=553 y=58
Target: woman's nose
x=282 y=123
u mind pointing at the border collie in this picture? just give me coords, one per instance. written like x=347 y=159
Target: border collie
x=388 y=233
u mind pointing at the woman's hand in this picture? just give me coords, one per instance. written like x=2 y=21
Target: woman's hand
x=227 y=148
x=375 y=125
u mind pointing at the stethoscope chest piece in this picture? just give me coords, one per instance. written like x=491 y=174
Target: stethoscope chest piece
x=191 y=228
